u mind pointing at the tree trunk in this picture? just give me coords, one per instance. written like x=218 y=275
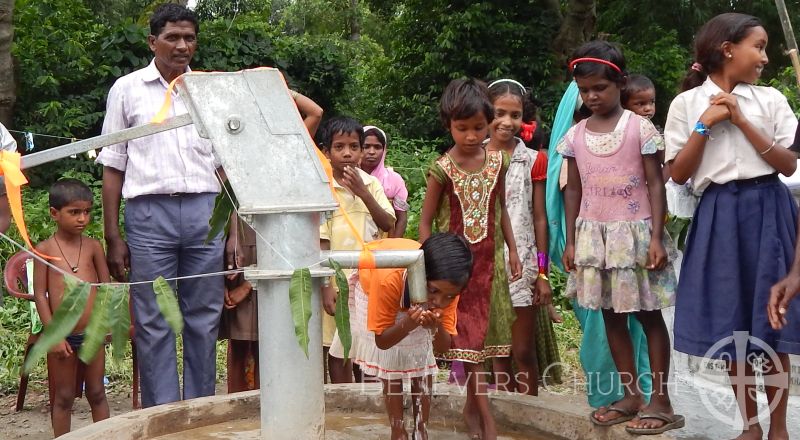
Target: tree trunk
x=576 y=28
x=8 y=93
x=355 y=22
x=554 y=6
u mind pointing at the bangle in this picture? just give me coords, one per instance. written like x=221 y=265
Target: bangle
x=702 y=129
x=543 y=261
x=326 y=282
x=768 y=149
x=543 y=276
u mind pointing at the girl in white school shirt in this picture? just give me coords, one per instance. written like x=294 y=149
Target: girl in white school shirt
x=731 y=138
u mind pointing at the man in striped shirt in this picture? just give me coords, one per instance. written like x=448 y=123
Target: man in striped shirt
x=169 y=184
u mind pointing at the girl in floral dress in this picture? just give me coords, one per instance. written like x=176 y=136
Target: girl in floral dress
x=465 y=195
x=525 y=202
x=616 y=248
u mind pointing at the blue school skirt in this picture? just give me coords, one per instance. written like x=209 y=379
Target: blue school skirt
x=741 y=243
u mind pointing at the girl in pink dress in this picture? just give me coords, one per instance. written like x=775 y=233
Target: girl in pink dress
x=616 y=250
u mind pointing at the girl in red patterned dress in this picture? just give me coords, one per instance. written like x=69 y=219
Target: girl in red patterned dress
x=466 y=196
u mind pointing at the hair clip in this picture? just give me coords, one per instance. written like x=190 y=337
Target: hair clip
x=594 y=60
x=527 y=130
x=697 y=67
x=506 y=80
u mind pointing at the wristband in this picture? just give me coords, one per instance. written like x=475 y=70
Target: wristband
x=543 y=261
x=702 y=129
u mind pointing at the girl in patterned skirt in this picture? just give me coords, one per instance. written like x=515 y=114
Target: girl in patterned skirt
x=525 y=202
x=617 y=250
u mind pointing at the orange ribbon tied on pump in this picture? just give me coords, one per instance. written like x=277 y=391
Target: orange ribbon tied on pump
x=14 y=179
x=367 y=259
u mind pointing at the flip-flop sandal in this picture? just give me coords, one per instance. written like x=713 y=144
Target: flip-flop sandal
x=626 y=416
x=670 y=422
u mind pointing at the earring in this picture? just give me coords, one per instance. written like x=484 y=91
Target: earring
x=729 y=55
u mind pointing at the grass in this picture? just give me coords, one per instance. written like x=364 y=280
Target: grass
x=14 y=331
x=568 y=335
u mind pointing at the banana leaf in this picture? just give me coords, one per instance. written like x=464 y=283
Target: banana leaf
x=168 y=304
x=120 y=320
x=95 y=333
x=678 y=229
x=300 y=302
x=221 y=215
x=69 y=312
x=342 y=316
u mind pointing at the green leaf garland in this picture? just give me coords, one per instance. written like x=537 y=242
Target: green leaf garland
x=300 y=302
x=342 y=316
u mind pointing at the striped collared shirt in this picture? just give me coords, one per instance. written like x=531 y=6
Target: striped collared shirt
x=174 y=161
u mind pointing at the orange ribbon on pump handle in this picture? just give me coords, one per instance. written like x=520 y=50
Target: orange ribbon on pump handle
x=367 y=259
x=14 y=179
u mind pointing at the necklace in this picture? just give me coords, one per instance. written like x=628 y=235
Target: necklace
x=80 y=248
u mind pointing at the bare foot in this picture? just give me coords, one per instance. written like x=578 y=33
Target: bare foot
x=489 y=429
x=420 y=433
x=630 y=404
x=473 y=420
x=778 y=434
x=554 y=315
x=753 y=433
x=399 y=433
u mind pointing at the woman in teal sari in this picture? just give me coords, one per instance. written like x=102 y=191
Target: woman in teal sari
x=603 y=385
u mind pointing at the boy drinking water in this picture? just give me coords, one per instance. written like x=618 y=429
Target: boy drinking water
x=71 y=207
x=362 y=198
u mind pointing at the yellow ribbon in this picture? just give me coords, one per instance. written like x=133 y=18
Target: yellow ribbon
x=167 y=105
x=14 y=179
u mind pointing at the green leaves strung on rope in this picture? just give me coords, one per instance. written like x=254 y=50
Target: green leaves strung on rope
x=221 y=215
x=300 y=303
x=120 y=322
x=110 y=312
x=99 y=324
x=69 y=312
x=678 y=229
x=168 y=304
x=342 y=316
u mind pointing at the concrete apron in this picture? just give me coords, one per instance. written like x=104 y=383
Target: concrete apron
x=565 y=417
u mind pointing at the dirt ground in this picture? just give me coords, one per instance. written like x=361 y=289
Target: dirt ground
x=33 y=422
